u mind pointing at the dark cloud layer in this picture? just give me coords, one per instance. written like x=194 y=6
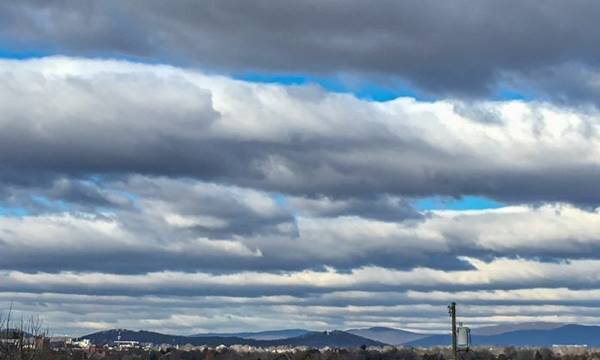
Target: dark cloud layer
x=462 y=47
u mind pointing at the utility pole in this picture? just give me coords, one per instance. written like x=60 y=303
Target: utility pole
x=452 y=312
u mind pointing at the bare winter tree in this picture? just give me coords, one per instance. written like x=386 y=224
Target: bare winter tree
x=21 y=339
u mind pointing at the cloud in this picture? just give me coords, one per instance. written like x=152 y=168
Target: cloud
x=187 y=225
x=80 y=118
x=498 y=274
x=569 y=84
x=182 y=190
x=457 y=48
x=80 y=302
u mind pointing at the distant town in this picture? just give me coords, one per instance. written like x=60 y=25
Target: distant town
x=537 y=342
x=68 y=348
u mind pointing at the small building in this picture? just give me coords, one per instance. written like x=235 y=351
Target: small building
x=82 y=344
x=126 y=344
x=60 y=342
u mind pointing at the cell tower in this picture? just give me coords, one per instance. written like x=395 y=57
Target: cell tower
x=461 y=336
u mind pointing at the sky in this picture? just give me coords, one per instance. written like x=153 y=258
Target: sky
x=198 y=166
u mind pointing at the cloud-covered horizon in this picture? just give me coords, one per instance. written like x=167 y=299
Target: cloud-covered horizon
x=145 y=184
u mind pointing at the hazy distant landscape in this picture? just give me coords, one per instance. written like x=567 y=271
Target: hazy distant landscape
x=519 y=335
x=524 y=341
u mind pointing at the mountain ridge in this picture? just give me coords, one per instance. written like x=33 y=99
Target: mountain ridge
x=504 y=328
x=335 y=338
x=387 y=335
x=569 y=334
x=526 y=334
x=260 y=335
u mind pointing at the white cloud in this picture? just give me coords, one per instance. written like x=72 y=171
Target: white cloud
x=119 y=116
x=180 y=188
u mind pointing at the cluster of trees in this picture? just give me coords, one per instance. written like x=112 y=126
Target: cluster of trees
x=336 y=354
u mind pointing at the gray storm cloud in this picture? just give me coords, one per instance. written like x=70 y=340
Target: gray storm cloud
x=463 y=47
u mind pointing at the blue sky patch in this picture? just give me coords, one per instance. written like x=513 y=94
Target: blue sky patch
x=20 y=55
x=279 y=199
x=450 y=203
x=511 y=94
x=366 y=91
x=13 y=212
x=290 y=80
x=57 y=205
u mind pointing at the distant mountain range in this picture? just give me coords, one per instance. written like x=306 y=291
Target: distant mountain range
x=526 y=334
x=388 y=335
x=262 y=335
x=563 y=335
x=110 y=336
x=315 y=339
x=334 y=338
x=504 y=328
